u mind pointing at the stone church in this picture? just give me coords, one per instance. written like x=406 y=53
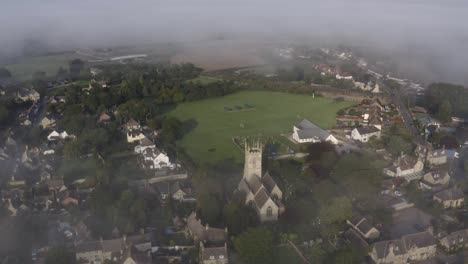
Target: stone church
x=261 y=192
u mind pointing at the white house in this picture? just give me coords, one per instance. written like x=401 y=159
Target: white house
x=363 y=134
x=134 y=135
x=153 y=158
x=59 y=135
x=308 y=132
x=145 y=143
x=47 y=122
x=28 y=95
x=344 y=77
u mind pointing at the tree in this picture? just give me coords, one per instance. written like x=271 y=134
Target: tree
x=337 y=211
x=466 y=166
x=255 y=246
x=4 y=114
x=445 y=111
x=348 y=255
x=4 y=73
x=59 y=255
x=75 y=67
x=210 y=207
x=239 y=217
x=397 y=145
x=315 y=254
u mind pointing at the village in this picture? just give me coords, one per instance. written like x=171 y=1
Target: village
x=101 y=175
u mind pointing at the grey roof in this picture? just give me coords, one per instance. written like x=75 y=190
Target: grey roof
x=456 y=237
x=367 y=130
x=450 y=194
x=261 y=198
x=214 y=252
x=112 y=245
x=364 y=226
x=268 y=182
x=419 y=240
x=204 y=233
x=254 y=183
x=88 y=246
x=308 y=129
x=383 y=248
x=132 y=123
x=145 y=142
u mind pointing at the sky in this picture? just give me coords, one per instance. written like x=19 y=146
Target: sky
x=428 y=36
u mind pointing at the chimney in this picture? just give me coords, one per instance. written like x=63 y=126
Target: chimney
x=124 y=238
x=207 y=226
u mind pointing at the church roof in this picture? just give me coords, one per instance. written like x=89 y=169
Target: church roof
x=268 y=182
x=261 y=198
x=254 y=183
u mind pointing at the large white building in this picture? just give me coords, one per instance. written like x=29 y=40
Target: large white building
x=260 y=191
x=152 y=157
x=308 y=132
x=363 y=134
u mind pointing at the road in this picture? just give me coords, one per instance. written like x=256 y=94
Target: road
x=404 y=112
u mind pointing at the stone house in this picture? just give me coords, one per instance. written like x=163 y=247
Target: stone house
x=405 y=165
x=455 y=240
x=363 y=227
x=437 y=157
x=450 y=198
x=201 y=233
x=213 y=255
x=435 y=180
x=260 y=192
x=409 y=248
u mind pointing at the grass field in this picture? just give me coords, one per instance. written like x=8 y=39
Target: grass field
x=25 y=68
x=205 y=79
x=272 y=114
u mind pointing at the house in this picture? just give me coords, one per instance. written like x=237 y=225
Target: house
x=27 y=95
x=56 y=100
x=363 y=134
x=437 y=157
x=455 y=240
x=405 y=165
x=153 y=158
x=59 y=135
x=198 y=232
x=213 y=255
x=307 y=132
x=363 y=227
x=132 y=125
x=450 y=198
x=344 y=76
x=145 y=143
x=435 y=179
x=134 y=135
x=115 y=250
x=104 y=118
x=410 y=248
x=260 y=192
x=47 y=122
x=177 y=190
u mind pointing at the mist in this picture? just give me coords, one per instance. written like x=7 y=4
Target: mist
x=428 y=39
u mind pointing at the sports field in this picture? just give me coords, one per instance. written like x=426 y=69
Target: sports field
x=261 y=113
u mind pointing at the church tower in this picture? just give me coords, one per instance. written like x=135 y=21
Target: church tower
x=253 y=159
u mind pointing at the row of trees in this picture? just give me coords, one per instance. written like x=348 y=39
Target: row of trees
x=445 y=100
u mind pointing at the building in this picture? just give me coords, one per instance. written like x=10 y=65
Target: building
x=410 y=248
x=116 y=250
x=134 y=135
x=201 y=233
x=435 y=179
x=178 y=190
x=153 y=158
x=363 y=134
x=104 y=118
x=450 y=198
x=132 y=125
x=405 y=165
x=47 y=122
x=260 y=192
x=308 y=132
x=59 y=135
x=436 y=157
x=28 y=95
x=455 y=240
x=363 y=227
x=213 y=255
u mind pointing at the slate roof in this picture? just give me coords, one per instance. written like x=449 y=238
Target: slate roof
x=367 y=130
x=204 y=233
x=146 y=142
x=132 y=123
x=113 y=245
x=419 y=240
x=405 y=244
x=450 y=194
x=268 y=182
x=308 y=129
x=88 y=246
x=383 y=247
x=215 y=252
x=261 y=198
x=460 y=236
x=254 y=183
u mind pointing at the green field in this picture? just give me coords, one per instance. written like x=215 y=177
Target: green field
x=25 y=68
x=204 y=79
x=271 y=114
